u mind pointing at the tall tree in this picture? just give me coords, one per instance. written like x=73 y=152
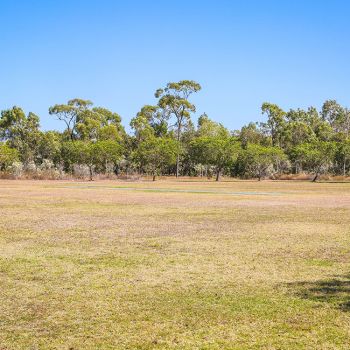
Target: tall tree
x=275 y=123
x=173 y=100
x=217 y=151
x=251 y=134
x=157 y=153
x=316 y=156
x=256 y=160
x=86 y=123
x=21 y=132
x=343 y=153
x=337 y=116
x=99 y=124
x=49 y=147
x=214 y=146
x=68 y=113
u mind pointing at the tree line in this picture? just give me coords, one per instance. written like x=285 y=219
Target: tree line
x=165 y=141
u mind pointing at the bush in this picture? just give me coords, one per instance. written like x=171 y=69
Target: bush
x=16 y=169
x=81 y=171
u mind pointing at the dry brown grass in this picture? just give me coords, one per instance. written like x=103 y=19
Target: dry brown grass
x=174 y=265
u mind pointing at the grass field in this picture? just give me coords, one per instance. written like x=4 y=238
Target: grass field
x=174 y=265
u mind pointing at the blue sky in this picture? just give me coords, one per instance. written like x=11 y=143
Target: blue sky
x=294 y=53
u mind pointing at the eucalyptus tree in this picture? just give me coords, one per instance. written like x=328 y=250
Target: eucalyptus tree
x=20 y=131
x=142 y=128
x=157 y=153
x=296 y=129
x=156 y=119
x=316 y=156
x=84 y=122
x=275 y=123
x=251 y=134
x=69 y=113
x=216 y=151
x=337 y=116
x=103 y=153
x=208 y=127
x=49 y=146
x=99 y=124
x=175 y=105
x=256 y=160
x=95 y=155
x=343 y=155
x=214 y=146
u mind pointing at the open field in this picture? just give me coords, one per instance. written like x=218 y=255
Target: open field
x=174 y=265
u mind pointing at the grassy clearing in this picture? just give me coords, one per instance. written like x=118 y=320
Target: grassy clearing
x=174 y=265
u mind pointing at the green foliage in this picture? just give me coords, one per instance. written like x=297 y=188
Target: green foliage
x=49 y=146
x=207 y=127
x=174 y=103
x=275 y=122
x=251 y=134
x=214 y=146
x=20 y=132
x=298 y=140
x=150 y=117
x=316 y=156
x=173 y=100
x=96 y=155
x=74 y=153
x=337 y=116
x=147 y=123
x=102 y=153
x=8 y=156
x=156 y=154
x=215 y=151
x=86 y=123
x=256 y=160
x=343 y=155
x=68 y=113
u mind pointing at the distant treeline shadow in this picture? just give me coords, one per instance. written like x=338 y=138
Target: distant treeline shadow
x=335 y=291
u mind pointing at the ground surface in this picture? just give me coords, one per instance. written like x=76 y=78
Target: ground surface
x=169 y=265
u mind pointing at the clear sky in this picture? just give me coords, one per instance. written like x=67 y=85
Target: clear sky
x=294 y=53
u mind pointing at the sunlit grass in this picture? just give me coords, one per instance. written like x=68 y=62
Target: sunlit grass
x=179 y=265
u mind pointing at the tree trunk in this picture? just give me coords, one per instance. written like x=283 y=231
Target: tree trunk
x=177 y=165
x=91 y=172
x=315 y=178
x=217 y=175
x=154 y=177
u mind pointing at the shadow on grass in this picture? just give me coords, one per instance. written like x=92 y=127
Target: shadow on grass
x=335 y=291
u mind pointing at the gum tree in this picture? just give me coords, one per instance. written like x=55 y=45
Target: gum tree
x=315 y=156
x=68 y=113
x=21 y=132
x=214 y=146
x=215 y=151
x=157 y=153
x=174 y=103
x=275 y=123
x=256 y=159
x=86 y=123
